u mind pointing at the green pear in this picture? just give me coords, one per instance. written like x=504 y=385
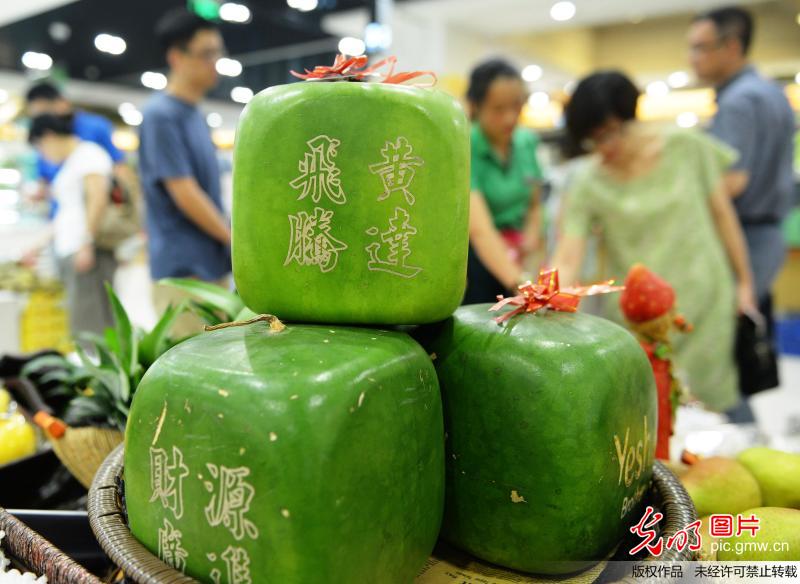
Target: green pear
x=708 y=549
x=721 y=485
x=777 y=539
x=778 y=474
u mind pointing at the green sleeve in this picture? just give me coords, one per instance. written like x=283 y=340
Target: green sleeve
x=577 y=215
x=475 y=183
x=710 y=157
x=533 y=149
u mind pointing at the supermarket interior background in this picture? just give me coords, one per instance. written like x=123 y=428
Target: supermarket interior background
x=103 y=57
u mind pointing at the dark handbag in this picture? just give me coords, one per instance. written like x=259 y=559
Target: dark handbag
x=756 y=356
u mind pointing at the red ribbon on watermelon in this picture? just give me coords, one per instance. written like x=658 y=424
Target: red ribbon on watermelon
x=547 y=293
x=356 y=67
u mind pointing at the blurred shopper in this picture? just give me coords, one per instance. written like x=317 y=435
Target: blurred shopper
x=45 y=98
x=188 y=233
x=659 y=198
x=505 y=214
x=754 y=117
x=80 y=188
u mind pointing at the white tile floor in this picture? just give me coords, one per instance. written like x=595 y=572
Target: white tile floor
x=777 y=411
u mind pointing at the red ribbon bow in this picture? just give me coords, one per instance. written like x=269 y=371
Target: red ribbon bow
x=546 y=293
x=356 y=68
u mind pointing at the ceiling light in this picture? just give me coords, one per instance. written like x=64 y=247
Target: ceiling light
x=126 y=108
x=3 y=96
x=10 y=176
x=657 y=89
x=8 y=198
x=233 y=12
x=303 y=5
x=214 y=120
x=538 y=99
x=38 y=61
x=108 y=43
x=59 y=31
x=687 y=119
x=241 y=94
x=532 y=73
x=678 y=79
x=562 y=11
x=352 y=46
x=229 y=67
x=797 y=78
x=154 y=80
x=377 y=37
x=798 y=19
x=133 y=117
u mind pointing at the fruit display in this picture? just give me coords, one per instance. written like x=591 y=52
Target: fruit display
x=757 y=492
x=777 y=473
x=43 y=322
x=523 y=433
x=369 y=210
x=17 y=436
x=298 y=454
x=550 y=421
x=777 y=538
x=721 y=485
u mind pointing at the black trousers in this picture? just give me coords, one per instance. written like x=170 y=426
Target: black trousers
x=482 y=286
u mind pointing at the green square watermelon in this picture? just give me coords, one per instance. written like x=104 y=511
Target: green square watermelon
x=310 y=455
x=351 y=203
x=551 y=422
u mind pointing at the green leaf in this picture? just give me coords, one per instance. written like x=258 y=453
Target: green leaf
x=46 y=361
x=112 y=378
x=100 y=347
x=83 y=410
x=111 y=340
x=217 y=297
x=126 y=337
x=62 y=391
x=61 y=376
x=206 y=313
x=157 y=341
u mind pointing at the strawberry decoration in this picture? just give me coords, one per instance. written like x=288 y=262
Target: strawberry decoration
x=648 y=304
x=646 y=296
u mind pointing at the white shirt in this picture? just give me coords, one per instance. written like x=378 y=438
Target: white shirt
x=69 y=190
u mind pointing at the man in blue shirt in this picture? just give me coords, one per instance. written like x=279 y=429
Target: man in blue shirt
x=754 y=117
x=188 y=235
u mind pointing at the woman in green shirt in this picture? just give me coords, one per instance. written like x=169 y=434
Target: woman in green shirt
x=504 y=208
x=660 y=198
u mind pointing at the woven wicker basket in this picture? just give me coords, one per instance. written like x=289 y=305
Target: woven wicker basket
x=38 y=555
x=83 y=450
x=106 y=516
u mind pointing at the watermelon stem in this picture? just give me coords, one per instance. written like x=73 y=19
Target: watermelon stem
x=275 y=325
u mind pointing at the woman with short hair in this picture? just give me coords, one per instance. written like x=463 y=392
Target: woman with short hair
x=658 y=197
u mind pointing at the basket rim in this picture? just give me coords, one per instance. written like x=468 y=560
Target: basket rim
x=39 y=555
x=138 y=563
